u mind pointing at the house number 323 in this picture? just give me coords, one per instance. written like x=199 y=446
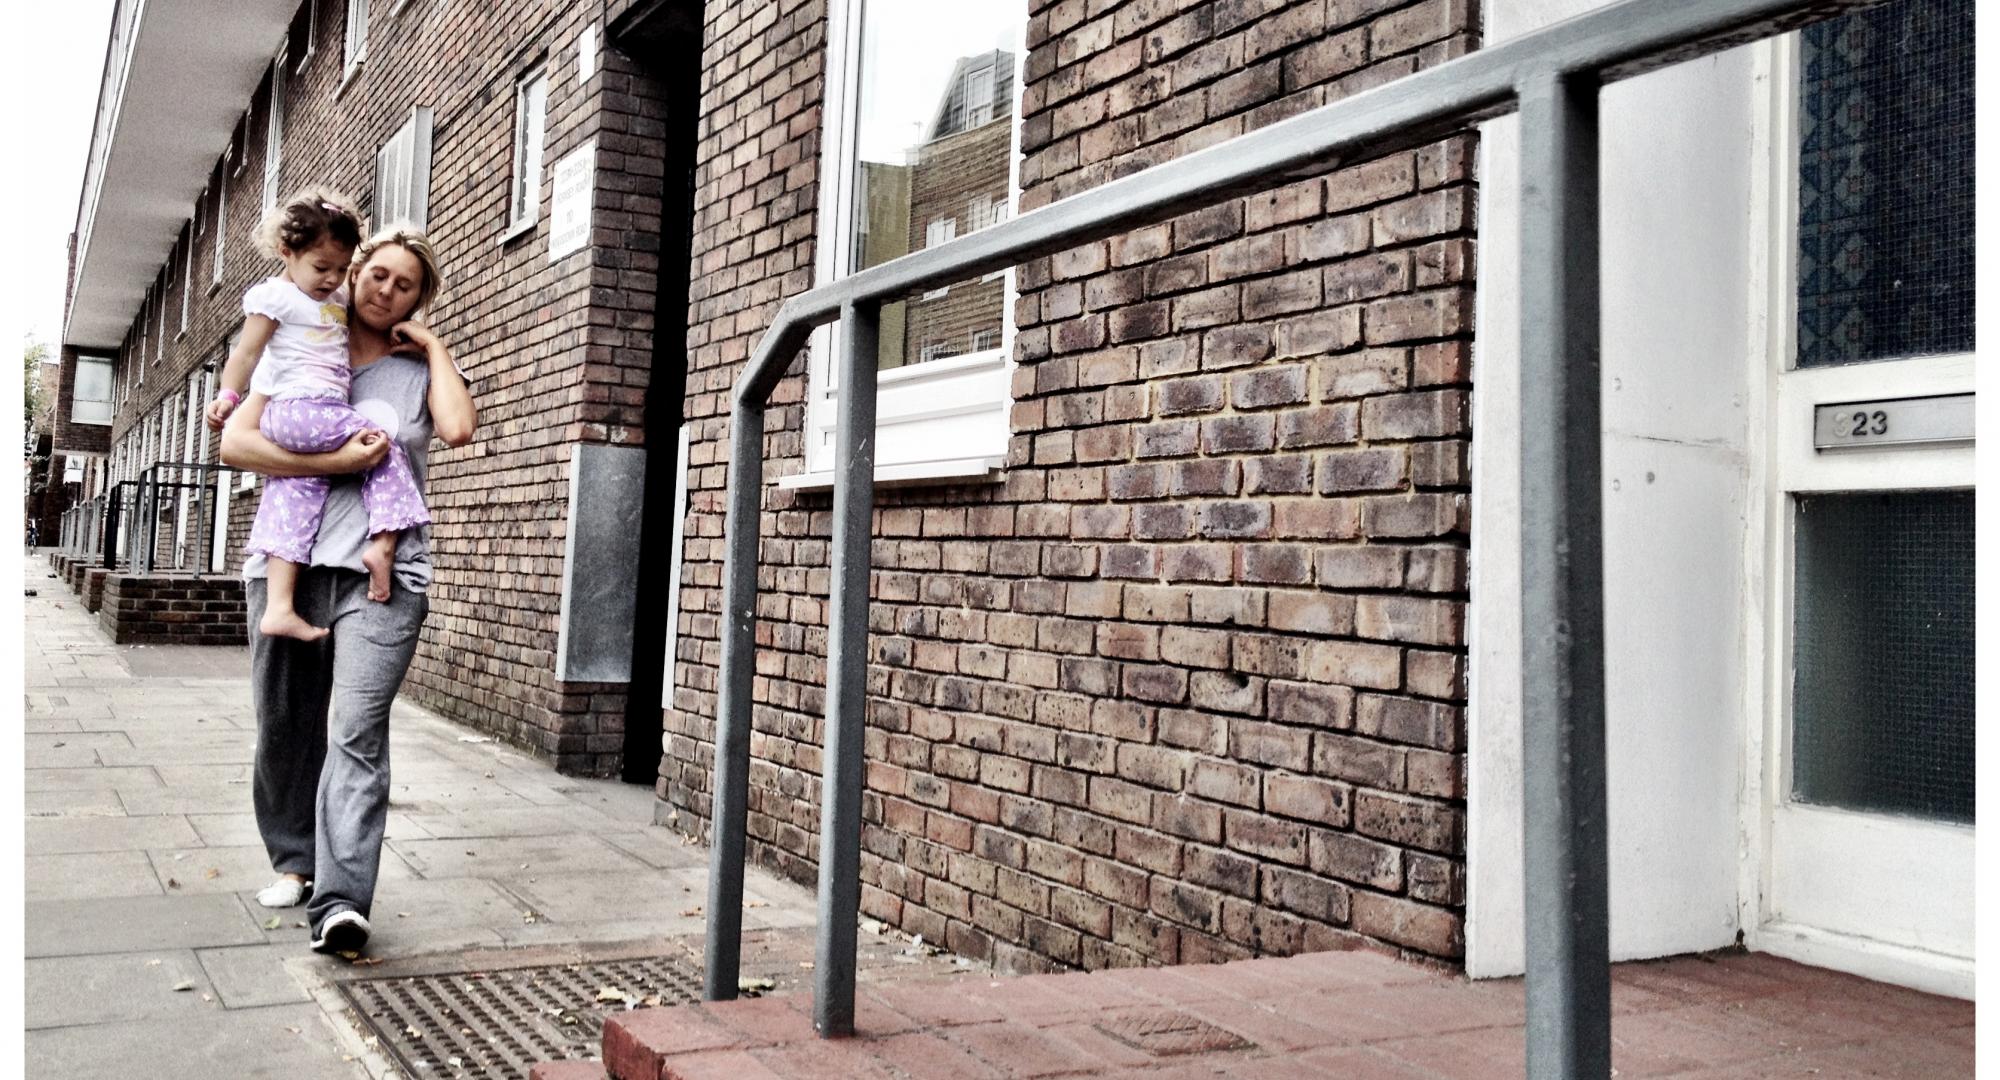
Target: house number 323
x=1861 y=424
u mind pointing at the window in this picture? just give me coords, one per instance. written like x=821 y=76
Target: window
x=942 y=231
x=221 y=218
x=160 y=339
x=90 y=399
x=531 y=104
x=921 y=147
x=355 y=48
x=274 y=132
x=1885 y=247
x=403 y=173
x=305 y=27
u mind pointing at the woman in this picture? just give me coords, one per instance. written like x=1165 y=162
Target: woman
x=322 y=795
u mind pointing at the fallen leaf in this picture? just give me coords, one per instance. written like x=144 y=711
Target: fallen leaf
x=153 y=963
x=754 y=986
x=184 y=984
x=806 y=964
x=180 y=856
x=690 y=912
x=273 y=923
x=756 y=903
x=172 y=884
x=363 y=961
x=402 y=914
x=612 y=993
x=206 y=997
x=62 y=744
x=294 y=1030
x=301 y=924
x=211 y=873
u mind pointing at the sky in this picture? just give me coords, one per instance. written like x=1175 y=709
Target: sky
x=60 y=74
x=907 y=55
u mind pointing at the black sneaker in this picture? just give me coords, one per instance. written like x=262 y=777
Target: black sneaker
x=344 y=931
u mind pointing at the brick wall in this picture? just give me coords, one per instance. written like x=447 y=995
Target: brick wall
x=556 y=355
x=1188 y=685
x=172 y=610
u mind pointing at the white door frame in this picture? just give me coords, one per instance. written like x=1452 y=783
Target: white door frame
x=1796 y=897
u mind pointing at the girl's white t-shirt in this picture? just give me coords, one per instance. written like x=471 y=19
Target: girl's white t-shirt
x=307 y=355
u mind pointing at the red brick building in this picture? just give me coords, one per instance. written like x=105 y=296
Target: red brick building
x=1168 y=653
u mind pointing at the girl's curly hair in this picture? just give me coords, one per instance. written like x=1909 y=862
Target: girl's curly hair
x=314 y=213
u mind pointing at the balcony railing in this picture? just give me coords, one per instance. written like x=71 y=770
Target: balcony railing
x=1552 y=79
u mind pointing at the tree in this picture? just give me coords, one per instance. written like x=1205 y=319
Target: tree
x=33 y=356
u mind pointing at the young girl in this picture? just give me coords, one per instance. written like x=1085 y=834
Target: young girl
x=297 y=321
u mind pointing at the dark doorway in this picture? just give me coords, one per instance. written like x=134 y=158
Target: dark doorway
x=663 y=39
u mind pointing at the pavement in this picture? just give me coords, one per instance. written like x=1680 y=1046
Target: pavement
x=147 y=952
x=145 y=945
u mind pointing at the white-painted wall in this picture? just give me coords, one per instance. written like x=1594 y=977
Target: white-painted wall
x=1678 y=354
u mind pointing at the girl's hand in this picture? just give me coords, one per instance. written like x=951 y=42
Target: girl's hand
x=218 y=413
x=412 y=336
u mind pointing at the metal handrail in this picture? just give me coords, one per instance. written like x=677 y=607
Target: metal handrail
x=1552 y=78
x=152 y=485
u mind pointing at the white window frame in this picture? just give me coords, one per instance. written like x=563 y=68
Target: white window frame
x=944 y=420
x=187 y=268
x=531 y=126
x=403 y=173
x=97 y=417
x=221 y=220
x=274 y=131
x=354 y=45
x=312 y=32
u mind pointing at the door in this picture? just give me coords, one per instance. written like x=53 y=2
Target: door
x=1868 y=767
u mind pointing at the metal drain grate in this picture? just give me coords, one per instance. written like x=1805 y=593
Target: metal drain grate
x=498 y=1024
x=1171 y=1033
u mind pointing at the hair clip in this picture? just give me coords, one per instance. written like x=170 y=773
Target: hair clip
x=335 y=209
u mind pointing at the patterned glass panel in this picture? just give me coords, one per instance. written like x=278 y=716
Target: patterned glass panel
x=1886 y=184
x=1882 y=703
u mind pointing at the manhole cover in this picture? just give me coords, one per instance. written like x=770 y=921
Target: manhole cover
x=498 y=1024
x=1171 y=1033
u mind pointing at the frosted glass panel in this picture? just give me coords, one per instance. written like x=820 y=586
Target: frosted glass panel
x=1882 y=712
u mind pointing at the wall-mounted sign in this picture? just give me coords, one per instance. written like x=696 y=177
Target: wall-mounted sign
x=569 y=218
x=586 y=54
x=1947 y=418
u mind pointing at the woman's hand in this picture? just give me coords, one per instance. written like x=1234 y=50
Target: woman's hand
x=413 y=337
x=359 y=454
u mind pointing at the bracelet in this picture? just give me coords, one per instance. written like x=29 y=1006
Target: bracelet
x=231 y=396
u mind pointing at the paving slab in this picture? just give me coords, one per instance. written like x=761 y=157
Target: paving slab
x=82 y=875
x=538 y=855
x=281 y=1042
x=247 y=976
x=74 y=802
x=66 y=990
x=132 y=923
x=67 y=836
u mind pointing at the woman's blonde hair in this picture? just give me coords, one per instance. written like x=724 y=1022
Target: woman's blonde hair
x=410 y=239
x=313 y=213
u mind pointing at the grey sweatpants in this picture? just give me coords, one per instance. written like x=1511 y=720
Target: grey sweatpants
x=321 y=788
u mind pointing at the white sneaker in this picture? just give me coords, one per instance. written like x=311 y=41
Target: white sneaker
x=344 y=931
x=284 y=892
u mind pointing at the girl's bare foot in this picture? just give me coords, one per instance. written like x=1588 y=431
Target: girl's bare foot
x=379 y=558
x=288 y=624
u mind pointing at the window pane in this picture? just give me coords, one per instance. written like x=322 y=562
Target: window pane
x=1885 y=184
x=1882 y=715
x=934 y=137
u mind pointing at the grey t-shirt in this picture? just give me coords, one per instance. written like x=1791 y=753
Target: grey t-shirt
x=394 y=392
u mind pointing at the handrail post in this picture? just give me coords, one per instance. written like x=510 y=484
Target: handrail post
x=847 y=675
x=722 y=948
x=1562 y=586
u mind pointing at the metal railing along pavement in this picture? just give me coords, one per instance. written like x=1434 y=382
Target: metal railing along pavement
x=1552 y=78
